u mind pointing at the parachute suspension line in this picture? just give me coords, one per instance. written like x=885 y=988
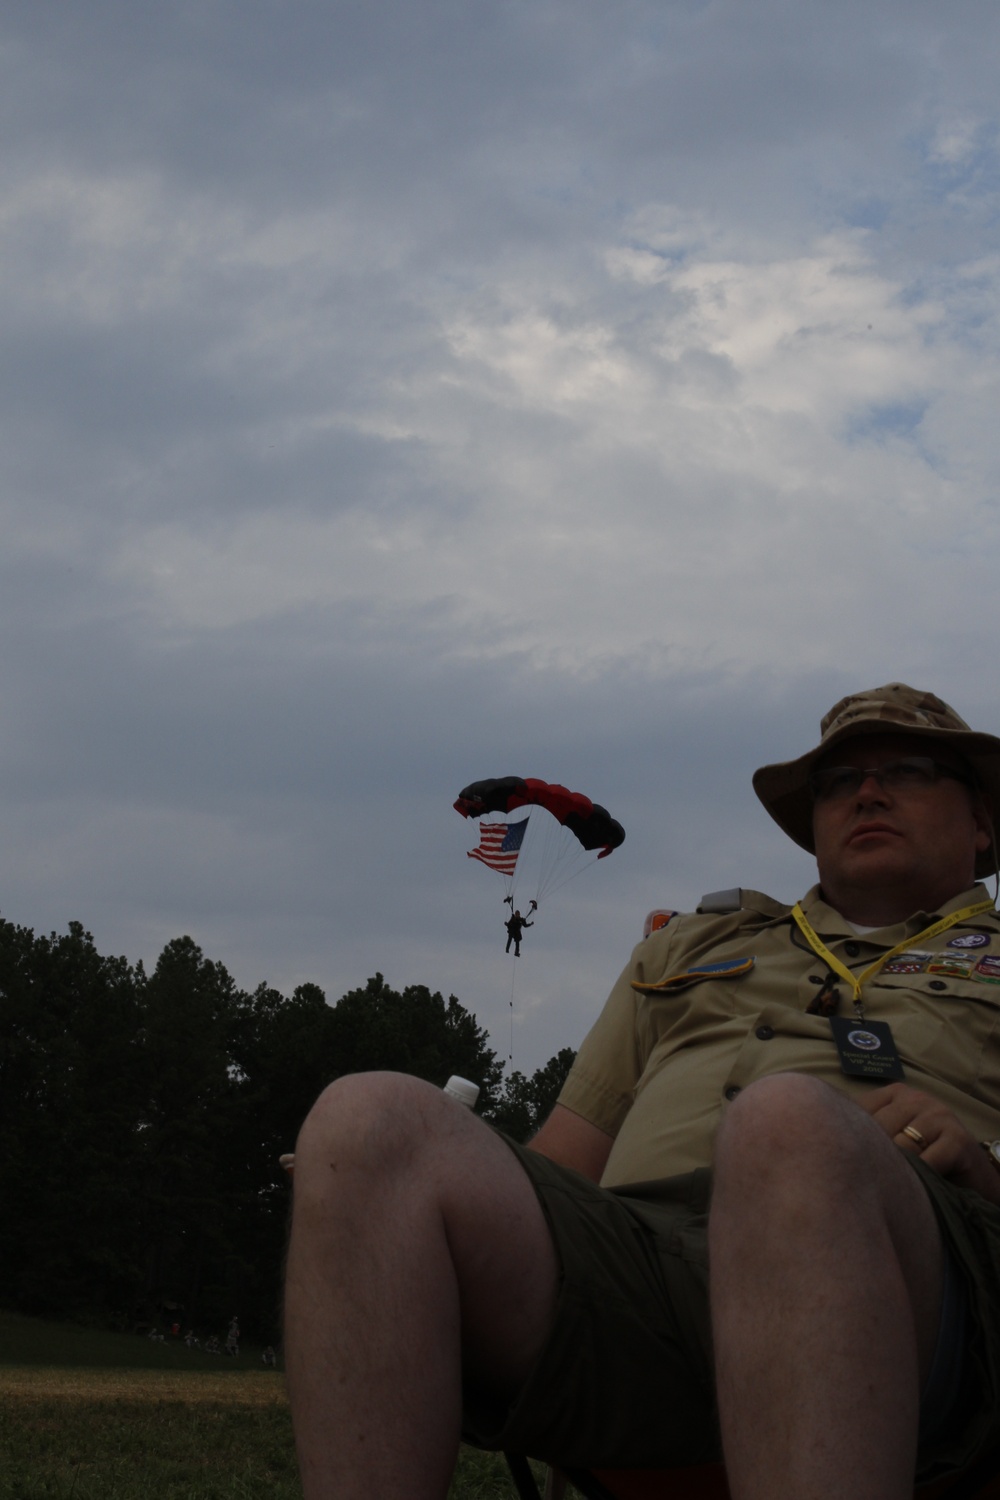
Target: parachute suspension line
x=554 y=884
x=547 y=853
x=561 y=859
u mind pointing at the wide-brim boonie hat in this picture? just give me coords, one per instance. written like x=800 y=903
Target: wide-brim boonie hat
x=895 y=708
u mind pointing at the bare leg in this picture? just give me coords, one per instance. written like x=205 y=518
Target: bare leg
x=826 y=1267
x=418 y=1249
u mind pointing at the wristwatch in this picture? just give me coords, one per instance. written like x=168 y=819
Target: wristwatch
x=992 y=1149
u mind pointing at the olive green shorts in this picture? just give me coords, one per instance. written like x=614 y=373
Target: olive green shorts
x=631 y=1343
x=626 y=1377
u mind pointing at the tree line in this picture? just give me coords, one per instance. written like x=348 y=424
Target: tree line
x=142 y=1117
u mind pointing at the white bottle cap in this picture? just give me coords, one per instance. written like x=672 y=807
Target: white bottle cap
x=461 y=1089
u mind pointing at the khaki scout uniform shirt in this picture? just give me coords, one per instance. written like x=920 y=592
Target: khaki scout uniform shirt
x=657 y=1070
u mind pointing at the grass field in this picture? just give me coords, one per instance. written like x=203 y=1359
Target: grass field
x=87 y=1415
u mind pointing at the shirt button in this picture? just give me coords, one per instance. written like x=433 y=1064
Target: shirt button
x=937 y=984
x=732 y=1091
x=852 y=949
x=765 y=1033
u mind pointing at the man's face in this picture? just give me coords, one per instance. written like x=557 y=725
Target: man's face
x=915 y=844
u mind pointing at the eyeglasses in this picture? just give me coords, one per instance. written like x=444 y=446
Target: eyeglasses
x=835 y=783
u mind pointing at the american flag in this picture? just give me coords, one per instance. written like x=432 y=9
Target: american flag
x=499 y=845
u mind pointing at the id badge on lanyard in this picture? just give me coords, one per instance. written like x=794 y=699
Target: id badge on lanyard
x=866 y=1048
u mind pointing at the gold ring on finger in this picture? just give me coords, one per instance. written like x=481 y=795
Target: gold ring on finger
x=914 y=1134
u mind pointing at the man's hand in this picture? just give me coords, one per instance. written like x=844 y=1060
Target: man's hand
x=921 y=1124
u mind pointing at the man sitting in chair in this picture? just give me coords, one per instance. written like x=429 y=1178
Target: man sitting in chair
x=830 y=1325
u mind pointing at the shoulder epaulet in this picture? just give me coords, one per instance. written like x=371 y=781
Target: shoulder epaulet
x=720 y=903
x=717 y=904
x=724 y=903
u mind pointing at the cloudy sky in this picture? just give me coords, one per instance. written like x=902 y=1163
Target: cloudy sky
x=395 y=394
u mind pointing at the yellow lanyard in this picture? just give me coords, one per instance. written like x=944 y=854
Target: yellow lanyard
x=818 y=946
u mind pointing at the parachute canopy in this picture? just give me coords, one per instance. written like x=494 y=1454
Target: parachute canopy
x=588 y=821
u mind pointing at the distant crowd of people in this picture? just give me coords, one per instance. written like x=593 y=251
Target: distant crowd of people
x=213 y=1344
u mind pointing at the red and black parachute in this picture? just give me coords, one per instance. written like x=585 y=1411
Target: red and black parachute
x=566 y=834
x=592 y=824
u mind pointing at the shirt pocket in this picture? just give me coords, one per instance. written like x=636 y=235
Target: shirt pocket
x=945 y=1023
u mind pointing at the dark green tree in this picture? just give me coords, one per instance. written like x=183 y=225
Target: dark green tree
x=412 y=1031
x=70 y=1097
x=142 y=1117
x=285 y=1053
x=191 y=1175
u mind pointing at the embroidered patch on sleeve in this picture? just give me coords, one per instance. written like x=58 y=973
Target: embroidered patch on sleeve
x=728 y=968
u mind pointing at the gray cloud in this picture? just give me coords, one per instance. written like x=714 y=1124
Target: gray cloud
x=395 y=396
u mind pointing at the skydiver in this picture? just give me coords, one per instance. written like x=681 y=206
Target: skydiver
x=515 y=925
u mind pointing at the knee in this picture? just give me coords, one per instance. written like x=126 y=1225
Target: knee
x=791 y=1128
x=373 y=1121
